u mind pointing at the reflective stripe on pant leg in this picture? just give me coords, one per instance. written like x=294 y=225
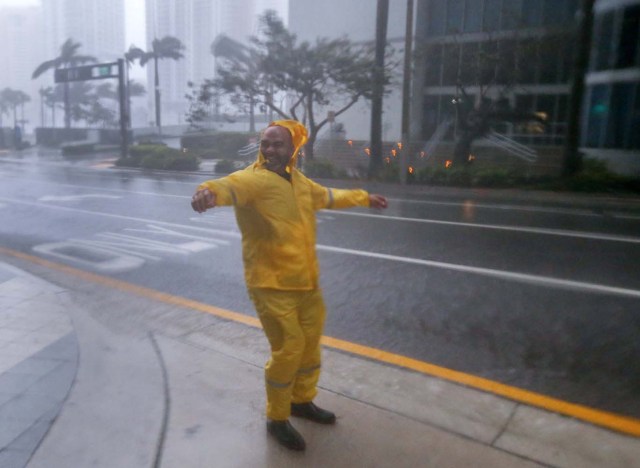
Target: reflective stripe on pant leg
x=277 y=311
x=311 y=316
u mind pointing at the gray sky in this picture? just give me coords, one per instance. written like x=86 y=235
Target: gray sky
x=134 y=11
x=134 y=24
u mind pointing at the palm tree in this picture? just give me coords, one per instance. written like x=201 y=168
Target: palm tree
x=13 y=98
x=68 y=58
x=167 y=47
x=4 y=109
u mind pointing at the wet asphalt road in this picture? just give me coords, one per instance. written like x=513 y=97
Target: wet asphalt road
x=535 y=291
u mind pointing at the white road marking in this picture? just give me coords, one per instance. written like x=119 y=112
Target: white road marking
x=502 y=227
x=48 y=198
x=506 y=275
x=502 y=274
x=503 y=207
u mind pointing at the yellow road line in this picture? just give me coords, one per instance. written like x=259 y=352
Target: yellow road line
x=613 y=421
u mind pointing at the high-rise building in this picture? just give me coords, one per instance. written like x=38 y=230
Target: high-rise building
x=196 y=23
x=98 y=25
x=21 y=52
x=355 y=19
x=612 y=106
x=517 y=50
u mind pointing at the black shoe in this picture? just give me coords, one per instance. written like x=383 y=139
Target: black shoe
x=286 y=434
x=313 y=413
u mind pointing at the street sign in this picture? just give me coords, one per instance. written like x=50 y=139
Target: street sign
x=87 y=72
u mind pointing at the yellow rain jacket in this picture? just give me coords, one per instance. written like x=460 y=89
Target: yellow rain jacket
x=277 y=218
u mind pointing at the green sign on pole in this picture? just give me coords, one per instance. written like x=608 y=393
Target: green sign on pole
x=87 y=72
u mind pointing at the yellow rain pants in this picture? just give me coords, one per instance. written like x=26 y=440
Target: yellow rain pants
x=293 y=322
x=278 y=224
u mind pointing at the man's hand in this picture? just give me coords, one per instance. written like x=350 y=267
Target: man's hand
x=202 y=200
x=377 y=201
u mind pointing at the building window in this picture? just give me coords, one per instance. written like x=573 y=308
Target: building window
x=512 y=14
x=433 y=64
x=506 y=71
x=549 y=51
x=629 y=50
x=597 y=114
x=451 y=64
x=552 y=12
x=603 y=39
x=437 y=17
x=469 y=63
x=491 y=17
x=488 y=59
x=620 y=113
x=455 y=16
x=634 y=121
x=473 y=16
x=532 y=13
x=430 y=116
x=528 y=61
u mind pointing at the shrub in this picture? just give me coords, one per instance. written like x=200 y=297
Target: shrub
x=494 y=177
x=224 y=166
x=159 y=157
x=218 y=145
x=320 y=168
x=77 y=148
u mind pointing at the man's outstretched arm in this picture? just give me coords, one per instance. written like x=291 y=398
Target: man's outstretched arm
x=377 y=201
x=202 y=200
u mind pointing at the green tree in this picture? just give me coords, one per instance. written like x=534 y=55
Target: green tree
x=240 y=76
x=168 y=47
x=12 y=99
x=311 y=78
x=68 y=57
x=48 y=96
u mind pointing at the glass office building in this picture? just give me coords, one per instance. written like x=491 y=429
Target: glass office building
x=611 y=118
x=522 y=51
x=517 y=50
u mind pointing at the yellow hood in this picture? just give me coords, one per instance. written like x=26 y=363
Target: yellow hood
x=299 y=136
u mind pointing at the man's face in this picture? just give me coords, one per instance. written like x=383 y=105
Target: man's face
x=277 y=148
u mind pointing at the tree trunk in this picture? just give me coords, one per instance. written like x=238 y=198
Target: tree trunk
x=157 y=94
x=308 y=148
x=252 y=117
x=572 y=162
x=463 y=149
x=67 y=109
x=375 y=161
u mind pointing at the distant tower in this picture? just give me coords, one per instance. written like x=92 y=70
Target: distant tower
x=196 y=23
x=98 y=25
x=21 y=52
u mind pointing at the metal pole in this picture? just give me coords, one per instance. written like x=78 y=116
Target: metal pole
x=406 y=93
x=375 y=160
x=122 y=94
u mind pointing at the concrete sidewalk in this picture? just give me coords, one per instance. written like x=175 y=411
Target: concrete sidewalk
x=93 y=376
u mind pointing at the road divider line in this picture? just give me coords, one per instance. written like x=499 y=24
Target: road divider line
x=501 y=227
x=501 y=274
x=620 y=423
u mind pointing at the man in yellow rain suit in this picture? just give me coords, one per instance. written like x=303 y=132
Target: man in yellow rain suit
x=275 y=207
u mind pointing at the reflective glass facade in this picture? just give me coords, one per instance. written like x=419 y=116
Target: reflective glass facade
x=612 y=103
x=523 y=49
